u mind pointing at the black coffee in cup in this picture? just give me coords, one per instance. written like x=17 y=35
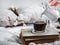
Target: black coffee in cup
x=39 y=26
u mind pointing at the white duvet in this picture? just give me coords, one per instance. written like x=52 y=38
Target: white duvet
x=9 y=36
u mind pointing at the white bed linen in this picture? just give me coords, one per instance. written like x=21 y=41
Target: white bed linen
x=31 y=13
x=9 y=36
x=7 y=17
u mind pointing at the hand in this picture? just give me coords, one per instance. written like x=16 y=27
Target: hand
x=54 y=2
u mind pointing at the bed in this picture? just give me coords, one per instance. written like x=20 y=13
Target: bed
x=10 y=35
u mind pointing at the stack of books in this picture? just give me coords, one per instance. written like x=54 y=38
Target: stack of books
x=43 y=37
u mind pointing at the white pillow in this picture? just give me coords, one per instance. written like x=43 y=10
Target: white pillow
x=32 y=13
x=4 y=20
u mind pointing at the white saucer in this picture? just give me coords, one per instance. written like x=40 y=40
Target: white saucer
x=33 y=31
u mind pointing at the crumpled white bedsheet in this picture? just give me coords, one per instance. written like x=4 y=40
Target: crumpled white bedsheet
x=9 y=36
